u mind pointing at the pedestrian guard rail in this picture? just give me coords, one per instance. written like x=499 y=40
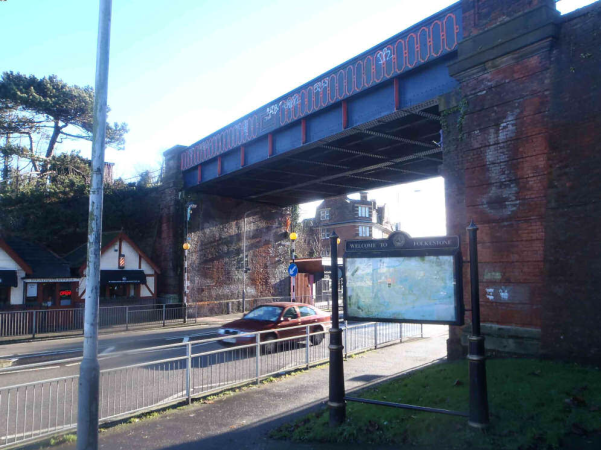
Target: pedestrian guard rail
x=178 y=373
x=57 y=322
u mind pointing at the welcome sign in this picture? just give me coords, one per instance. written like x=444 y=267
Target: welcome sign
x=406 y=280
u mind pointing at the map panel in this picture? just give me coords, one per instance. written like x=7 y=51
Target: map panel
x=419 y=288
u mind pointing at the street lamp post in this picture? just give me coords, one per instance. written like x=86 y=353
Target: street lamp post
x=244 y=266
x=89 y=378
x=189 y=207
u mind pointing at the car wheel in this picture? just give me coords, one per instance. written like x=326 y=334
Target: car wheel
x=316 y=339
x=269 y=347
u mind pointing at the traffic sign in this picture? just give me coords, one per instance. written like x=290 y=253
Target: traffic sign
x=293 y=269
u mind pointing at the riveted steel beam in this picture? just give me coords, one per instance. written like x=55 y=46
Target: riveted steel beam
x=355 y=171
x=398 y=138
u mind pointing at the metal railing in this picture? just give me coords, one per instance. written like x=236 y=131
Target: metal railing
x=48 y=322
x=45 y=322
x=178 y=373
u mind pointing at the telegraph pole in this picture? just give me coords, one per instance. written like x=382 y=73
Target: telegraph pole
x=89 y=378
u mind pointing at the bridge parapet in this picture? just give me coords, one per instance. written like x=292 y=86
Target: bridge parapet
x=424 y=42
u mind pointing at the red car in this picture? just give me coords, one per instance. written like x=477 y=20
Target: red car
x=277 y=318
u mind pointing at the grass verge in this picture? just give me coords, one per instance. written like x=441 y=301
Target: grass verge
x=534 y=405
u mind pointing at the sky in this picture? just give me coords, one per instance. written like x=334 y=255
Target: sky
x=181 y=69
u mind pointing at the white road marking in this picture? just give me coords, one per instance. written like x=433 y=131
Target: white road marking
x=209 y=333
x=72 y=364
x=32 y=355
x=29 y=370
x=107 y=350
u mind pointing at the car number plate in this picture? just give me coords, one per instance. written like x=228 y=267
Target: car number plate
x=230 y=340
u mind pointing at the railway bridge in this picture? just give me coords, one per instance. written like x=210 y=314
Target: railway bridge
x=500 y=98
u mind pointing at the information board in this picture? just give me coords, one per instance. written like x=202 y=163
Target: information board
x=401 y=279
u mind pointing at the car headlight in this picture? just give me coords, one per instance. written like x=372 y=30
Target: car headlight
x=221 y=331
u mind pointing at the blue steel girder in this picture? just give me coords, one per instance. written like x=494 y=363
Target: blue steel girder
x=370 y=114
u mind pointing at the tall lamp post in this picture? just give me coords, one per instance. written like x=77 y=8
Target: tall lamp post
x=188 y=212
x=89 y=378
x=245 y=267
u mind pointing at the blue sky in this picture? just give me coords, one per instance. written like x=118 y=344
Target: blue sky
x=181 y=69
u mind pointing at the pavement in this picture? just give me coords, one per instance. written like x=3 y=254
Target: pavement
x=243 y=420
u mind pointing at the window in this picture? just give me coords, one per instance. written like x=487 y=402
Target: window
x=65 y=294
x=325 y=285
x=291 y=313
x=31 y=295
x=363 y=211
x=266 y=313
x=364 y=231
x=325 y=233
x=325 y=252
x=305 y=311
x=324 y=214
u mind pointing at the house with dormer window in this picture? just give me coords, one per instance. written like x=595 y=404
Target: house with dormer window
x=351 y=219
x=127 y=274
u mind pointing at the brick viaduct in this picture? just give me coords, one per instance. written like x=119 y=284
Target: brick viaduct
x=522 y=157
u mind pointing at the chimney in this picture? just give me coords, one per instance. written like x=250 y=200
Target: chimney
x=363 y=196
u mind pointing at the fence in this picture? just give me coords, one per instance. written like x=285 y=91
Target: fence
x=38 y=323
x=39 y=409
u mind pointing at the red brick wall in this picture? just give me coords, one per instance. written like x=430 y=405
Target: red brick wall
x=479 y=15
x=522 y=158
x=216 y=232
x=571 y=315
x=167 y=250
x=496 y=174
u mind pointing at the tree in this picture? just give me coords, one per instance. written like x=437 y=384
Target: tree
x=49 y=111
x=145 y=179
x=53 y=210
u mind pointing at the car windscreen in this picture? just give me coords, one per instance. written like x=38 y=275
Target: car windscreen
x=268 y=313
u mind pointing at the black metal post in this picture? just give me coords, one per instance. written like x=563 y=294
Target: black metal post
x=478 y=415
x=336 y=400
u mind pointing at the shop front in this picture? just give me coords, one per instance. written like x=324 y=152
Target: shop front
x=43 y=293
x=127 y=274
x=31 y=276
x=116 y=285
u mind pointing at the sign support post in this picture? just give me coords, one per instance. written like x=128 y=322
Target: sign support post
x=336 y=401
x=478 y=414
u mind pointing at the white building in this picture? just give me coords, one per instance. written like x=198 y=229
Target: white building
x=126 y=272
